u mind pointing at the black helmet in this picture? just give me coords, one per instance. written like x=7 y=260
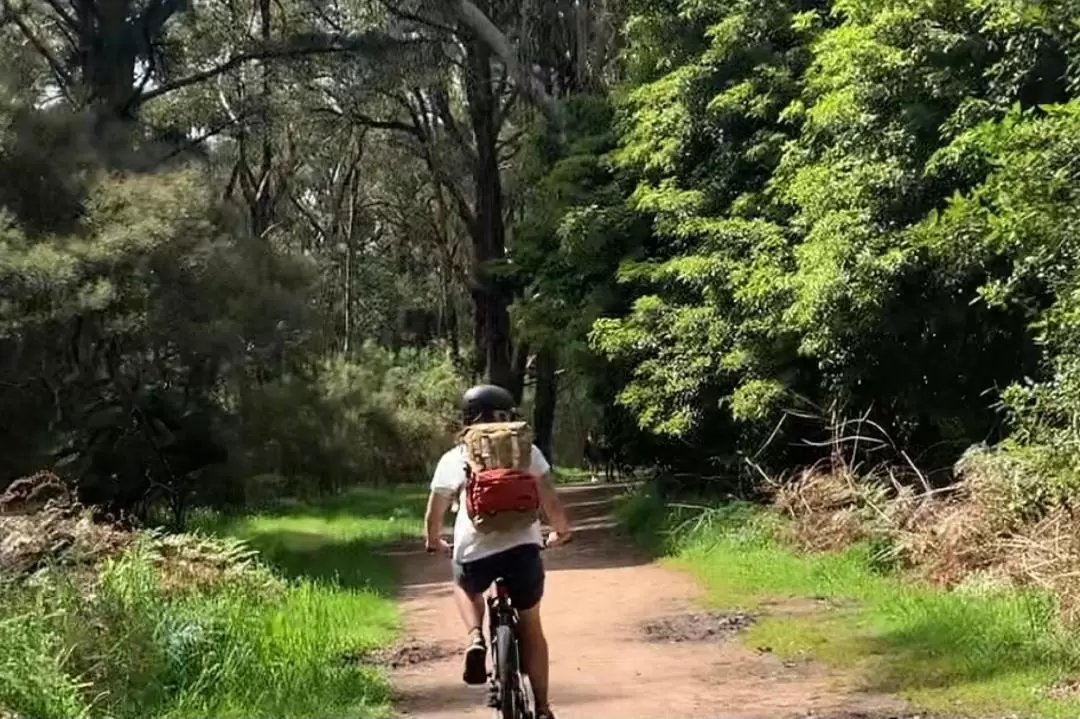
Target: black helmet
x=486 y=403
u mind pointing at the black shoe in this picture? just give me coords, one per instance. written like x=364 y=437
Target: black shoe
x=545 y=713
x=475 y=661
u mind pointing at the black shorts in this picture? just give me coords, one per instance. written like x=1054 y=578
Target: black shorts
x=520 y=566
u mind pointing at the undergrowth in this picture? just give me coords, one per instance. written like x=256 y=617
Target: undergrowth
x=973 y=649
x=270 y=635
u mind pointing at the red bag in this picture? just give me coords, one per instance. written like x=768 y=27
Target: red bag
x=501 y=493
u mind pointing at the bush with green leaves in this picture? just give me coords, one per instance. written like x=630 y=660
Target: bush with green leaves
x=159 y=356
x=863 y=204
x=129 y=302
x=379 y=417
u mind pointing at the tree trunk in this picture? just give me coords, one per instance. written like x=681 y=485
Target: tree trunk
x=107 y=55
x=474 y=16
x=262 y=209
x=544 y=404
x=452 y=334
x=517 y=378
x=350 y=257
x=488 y=231
x=581 y=45
x=180 y=506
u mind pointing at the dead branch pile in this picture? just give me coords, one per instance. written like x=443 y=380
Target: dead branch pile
x=43 y=525
x=41 y=522
x=969 y=534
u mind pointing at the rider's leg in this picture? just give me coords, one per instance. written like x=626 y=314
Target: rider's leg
x=470 y=579
x=535 y=654
x=523 y=571
x=470 y=607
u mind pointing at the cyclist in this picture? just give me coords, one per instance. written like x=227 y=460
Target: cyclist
x=478 y=559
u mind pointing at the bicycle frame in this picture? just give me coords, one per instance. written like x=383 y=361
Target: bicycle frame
x=499 y=606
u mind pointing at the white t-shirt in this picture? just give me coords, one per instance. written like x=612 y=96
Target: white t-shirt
x=470 y=545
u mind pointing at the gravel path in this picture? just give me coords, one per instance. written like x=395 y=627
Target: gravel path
x=628 y=641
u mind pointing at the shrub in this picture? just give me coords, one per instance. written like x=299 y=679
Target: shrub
x=180 y=626
x=379 y=417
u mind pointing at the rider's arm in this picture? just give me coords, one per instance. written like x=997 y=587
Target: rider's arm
x=438 y=503
x=445 y=484
x=552 y=505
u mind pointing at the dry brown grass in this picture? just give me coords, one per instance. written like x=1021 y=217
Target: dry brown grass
x=968 y=533
x=828 y=510
x=42 y=524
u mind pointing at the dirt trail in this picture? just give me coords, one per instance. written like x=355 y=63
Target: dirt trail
x=601 y=593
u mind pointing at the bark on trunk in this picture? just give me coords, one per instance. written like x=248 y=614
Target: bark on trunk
x=350 y=257
x=544 y=403
x=521 y=363
x=107 y=55
x=488 y=231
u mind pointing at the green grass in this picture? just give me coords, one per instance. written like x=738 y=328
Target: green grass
x=335 y=540
x=570 y=475
x=246 y=645
x=965 y=652
x=578 y=475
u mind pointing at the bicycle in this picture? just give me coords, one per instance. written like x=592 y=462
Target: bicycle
x=510 y=692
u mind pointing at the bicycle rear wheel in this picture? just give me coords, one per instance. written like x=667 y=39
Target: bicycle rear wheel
x=516 y=698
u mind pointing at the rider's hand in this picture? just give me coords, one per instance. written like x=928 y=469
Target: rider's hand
x=554 y=539
x=436 y=545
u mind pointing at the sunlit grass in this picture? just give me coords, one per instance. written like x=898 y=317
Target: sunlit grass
x=134 y=648
x=336 y=540
x=965 y=651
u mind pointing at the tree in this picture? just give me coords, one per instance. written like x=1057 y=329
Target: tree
x=123 y=315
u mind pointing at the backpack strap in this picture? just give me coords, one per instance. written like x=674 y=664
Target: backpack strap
x=515 y=452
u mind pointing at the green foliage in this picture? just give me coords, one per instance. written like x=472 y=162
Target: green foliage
x=1021 y=223
x=141 y=637
x=379 y=417
x=864 y=205
x=712 y=286
x=160 y=356
x=123 y=314
x=566 y=250
x=574 y=231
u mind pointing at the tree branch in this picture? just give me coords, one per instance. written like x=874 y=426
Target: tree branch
x=66 y=16
x=63 y=79
x=368 y=42
x=198 y=140
x=479 y=23
x=505 y=109
x=413 y=17
x=511 y=143
x=156 y=14
x=310 y=217
x=442 y=108
x=370 y=122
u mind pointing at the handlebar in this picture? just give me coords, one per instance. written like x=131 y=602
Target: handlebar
x=543 y=544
